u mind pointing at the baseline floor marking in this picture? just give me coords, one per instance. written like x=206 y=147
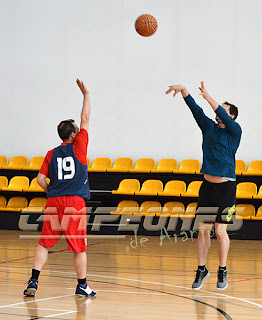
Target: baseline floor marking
x=25 y=302
x=25 y=307
x=128 y=292
x=59 y=314
x=163 y=284
x=51 y=252
x=150 y=282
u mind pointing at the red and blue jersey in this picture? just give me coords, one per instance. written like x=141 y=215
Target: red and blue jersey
x=66 y=166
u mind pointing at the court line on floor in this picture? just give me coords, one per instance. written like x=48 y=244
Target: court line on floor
x=129 y=292
x=137 y=287
x=163 y=284
x=58 y=314
x=44 y=299
x=49 y=316
x=155 y=283
x=25 y=307
x=50 y=252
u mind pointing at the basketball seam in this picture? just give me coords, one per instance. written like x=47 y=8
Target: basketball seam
x=148 y=26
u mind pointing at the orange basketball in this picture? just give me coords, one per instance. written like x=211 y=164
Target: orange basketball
x=146 y=25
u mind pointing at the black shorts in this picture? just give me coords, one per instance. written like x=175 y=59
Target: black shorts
x=219 y=195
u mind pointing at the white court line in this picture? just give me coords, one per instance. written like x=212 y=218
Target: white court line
x=25 y=302
x=58 y=314
x=144 y=281
x=25 y=307
x=129 y=292
x=163 y=284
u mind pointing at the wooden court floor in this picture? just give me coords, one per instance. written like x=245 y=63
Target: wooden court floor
x=132 y=282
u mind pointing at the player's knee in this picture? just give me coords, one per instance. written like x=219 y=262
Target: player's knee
x=221 y=231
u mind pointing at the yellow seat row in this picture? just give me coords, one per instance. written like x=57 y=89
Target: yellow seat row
x=20 y=204
x=153 y=208
x=146 y=165
x=130 y=207
x=155 y=188
x=21 y=163
x=177 y=188
x=175 y=208
x=20 y=183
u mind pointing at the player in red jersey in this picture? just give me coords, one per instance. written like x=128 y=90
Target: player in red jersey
x=66 y=166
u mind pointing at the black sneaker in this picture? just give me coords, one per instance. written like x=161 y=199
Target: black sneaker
x=221 y=279
x=200 y=276
x=31 y=288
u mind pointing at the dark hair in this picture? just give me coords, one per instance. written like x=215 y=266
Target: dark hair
x=233 y=110
x=65 y=128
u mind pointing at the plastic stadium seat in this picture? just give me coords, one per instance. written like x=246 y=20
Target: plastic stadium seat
x=189 y=166
x=191 y=209
x=149 y=208
x=17 y=183
x=127 y=186
x=126 y=207
x=88 y=162
x=35 y=164
x=3 y=161
x=101 y=165
x=246 y=190
x=144 y=165
x=36 y=205
x=258 y=216
x=122 y=165
x=17 y=163
x=249 y=211
x=259 y=194
x=2 y=201
x=16 y=204
x=172 y=208
x=150 y=188
x=34 y=186
x=192 y=189
x=173 y=188
x=166 y=165
x=240 y=167
x=254 y=169
x=3 y=182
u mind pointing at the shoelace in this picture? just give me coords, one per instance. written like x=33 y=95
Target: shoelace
x=221 y=275
x=198 y=272
x=27 y=282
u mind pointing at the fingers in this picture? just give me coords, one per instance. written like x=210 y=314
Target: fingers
x=78 y=83
x=202 y=85
x=169 y=90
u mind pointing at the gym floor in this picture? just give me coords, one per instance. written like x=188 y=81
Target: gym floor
x=132 y=278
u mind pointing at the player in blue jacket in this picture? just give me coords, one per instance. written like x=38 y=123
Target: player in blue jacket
x=220 y=143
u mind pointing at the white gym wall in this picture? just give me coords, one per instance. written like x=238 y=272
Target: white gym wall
x=46 y=45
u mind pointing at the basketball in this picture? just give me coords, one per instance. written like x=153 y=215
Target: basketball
x=146 y=25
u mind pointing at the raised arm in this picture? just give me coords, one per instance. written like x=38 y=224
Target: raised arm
x=201 y=119
x=232 y=126
x=85 y=113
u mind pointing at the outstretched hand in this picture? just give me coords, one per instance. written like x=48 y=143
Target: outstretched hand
x=203 y=93
x=176 y=89
x=82 y=87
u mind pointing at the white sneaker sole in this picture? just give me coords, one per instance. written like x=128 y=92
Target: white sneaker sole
x=207 y=276
x=30 y=292
x=222 y=288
